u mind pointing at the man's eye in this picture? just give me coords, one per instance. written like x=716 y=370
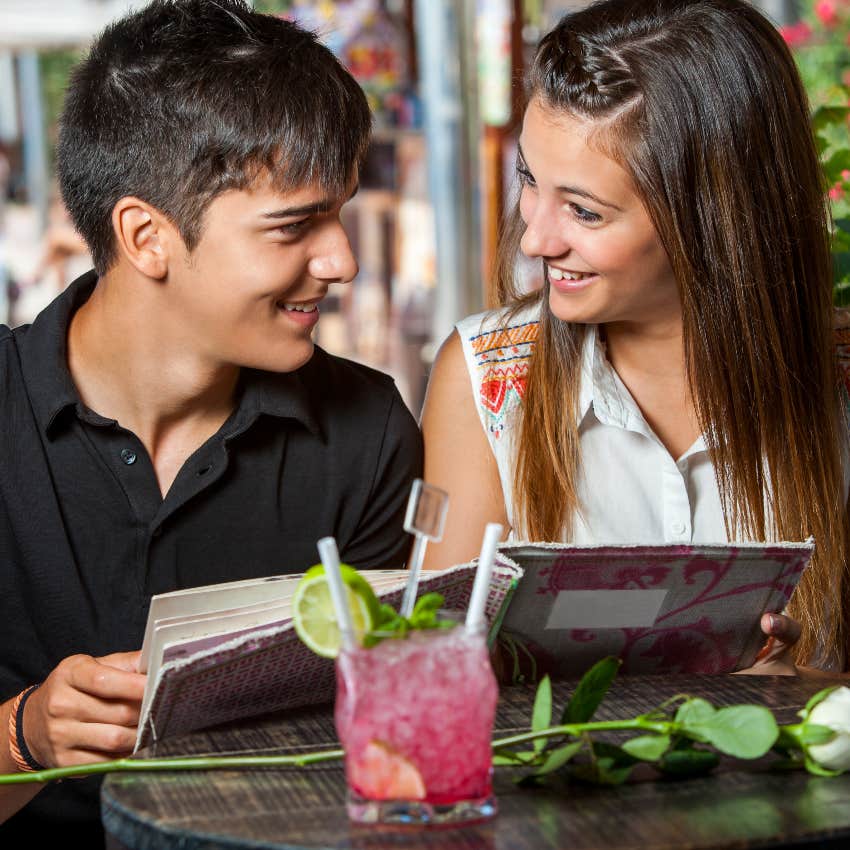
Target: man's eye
x=293 y=228
x=584 y=214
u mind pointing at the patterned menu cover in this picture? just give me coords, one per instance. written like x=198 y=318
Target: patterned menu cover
x=266 y=669
x=662 y=609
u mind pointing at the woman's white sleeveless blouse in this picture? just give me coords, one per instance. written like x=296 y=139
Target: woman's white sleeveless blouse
x=631 y=490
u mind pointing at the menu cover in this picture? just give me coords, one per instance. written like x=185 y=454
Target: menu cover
x=227 y=652
x=660 y=608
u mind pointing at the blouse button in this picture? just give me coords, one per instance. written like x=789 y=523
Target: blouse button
x=677 y=527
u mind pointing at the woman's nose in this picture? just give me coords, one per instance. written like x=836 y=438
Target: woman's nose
x=544 y=235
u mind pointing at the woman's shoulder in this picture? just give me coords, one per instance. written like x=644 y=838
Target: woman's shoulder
x=504 y=324
x=497 y=347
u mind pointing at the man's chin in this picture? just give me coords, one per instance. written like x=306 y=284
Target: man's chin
x=290 y=360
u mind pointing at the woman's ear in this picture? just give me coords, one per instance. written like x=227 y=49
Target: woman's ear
x=145 y=237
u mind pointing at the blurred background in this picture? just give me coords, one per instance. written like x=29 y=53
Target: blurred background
x=442 y=77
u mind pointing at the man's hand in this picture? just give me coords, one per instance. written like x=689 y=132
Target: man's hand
x=86 y=710
x=776 y=658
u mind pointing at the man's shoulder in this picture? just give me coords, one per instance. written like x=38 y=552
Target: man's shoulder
x=8 y=351
x=329 y=376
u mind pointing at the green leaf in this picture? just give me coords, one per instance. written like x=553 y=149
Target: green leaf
x=603 y=771
x=688 y=762
x=825 y=116
x=428 y=602
x=591 y=690
x=694 y=711
x=742 y=731
x=617 y=755
x=839 y=161
x=647 y=747
x=813 y=734
x=556 y=759
x=541 y=716
x=512 y=757
x=387 y=615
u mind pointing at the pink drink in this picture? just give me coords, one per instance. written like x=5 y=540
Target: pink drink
x=415 y=716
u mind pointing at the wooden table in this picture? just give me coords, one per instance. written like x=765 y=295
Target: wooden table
x=742 y=804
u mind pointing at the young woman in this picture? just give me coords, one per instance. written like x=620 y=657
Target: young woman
x=674 y=376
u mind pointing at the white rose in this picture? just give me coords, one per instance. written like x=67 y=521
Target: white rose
x=834 y=712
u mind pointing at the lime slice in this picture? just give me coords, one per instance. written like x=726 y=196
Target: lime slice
x=313 y=611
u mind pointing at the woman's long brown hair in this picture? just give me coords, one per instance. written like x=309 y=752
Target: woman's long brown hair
x=702 y=104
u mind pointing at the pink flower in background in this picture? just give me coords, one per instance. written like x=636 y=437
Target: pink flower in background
x=827 y=12
x=797 y=34
x=845 y=175
x=836 y=193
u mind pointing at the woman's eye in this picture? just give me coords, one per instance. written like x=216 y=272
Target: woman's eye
x=584 y=214
x=525 y=176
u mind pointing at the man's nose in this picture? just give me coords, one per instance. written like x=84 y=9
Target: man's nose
x=335 y=262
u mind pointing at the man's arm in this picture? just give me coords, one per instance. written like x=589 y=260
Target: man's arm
x=379 y=541
x=86 y=711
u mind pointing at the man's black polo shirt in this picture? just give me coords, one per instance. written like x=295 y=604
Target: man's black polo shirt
x=86 y=537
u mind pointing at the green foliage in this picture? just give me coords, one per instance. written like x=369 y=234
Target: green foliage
x=591 y=691
x=425 y=615
x=684 y=736
x=820 y=42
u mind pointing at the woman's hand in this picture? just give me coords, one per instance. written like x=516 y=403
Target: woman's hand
x=776 y=657
x=86 y=710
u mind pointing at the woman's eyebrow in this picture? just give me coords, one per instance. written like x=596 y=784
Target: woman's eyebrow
x=570 y=190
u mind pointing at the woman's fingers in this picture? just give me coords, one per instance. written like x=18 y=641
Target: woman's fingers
x=781 y=628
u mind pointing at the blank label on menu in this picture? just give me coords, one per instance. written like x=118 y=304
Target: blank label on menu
x=605 y=609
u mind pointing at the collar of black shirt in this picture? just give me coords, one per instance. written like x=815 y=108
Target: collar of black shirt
x=43 y=353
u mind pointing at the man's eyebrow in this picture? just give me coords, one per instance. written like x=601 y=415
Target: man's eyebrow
x=570 y=190
x=316 y=208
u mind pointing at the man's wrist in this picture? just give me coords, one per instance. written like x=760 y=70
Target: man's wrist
x=20 y=752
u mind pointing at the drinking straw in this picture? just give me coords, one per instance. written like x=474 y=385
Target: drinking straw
x=481 y=586
x=330 y=558
x=425 y=518
x=416 y=558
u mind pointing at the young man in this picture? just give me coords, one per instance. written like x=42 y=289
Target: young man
x=167 y=421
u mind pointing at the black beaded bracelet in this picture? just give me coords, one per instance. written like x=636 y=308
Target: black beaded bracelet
x=21 y=744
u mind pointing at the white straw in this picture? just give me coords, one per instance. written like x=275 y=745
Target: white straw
x=481 y=586
x=410 y=588
x=330 y=558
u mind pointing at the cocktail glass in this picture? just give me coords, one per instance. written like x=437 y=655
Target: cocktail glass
x=415 y=716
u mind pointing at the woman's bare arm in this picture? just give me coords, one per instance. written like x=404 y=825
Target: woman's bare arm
x=458 y=459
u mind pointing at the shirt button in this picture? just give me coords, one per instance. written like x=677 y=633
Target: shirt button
x=677 y=527
x=128 y=456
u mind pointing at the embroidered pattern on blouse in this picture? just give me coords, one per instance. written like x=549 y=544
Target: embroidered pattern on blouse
x=502 y=358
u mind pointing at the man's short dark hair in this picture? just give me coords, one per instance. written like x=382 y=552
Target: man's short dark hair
x=185 y=99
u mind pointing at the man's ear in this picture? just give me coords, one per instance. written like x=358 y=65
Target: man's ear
x=146 y=237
